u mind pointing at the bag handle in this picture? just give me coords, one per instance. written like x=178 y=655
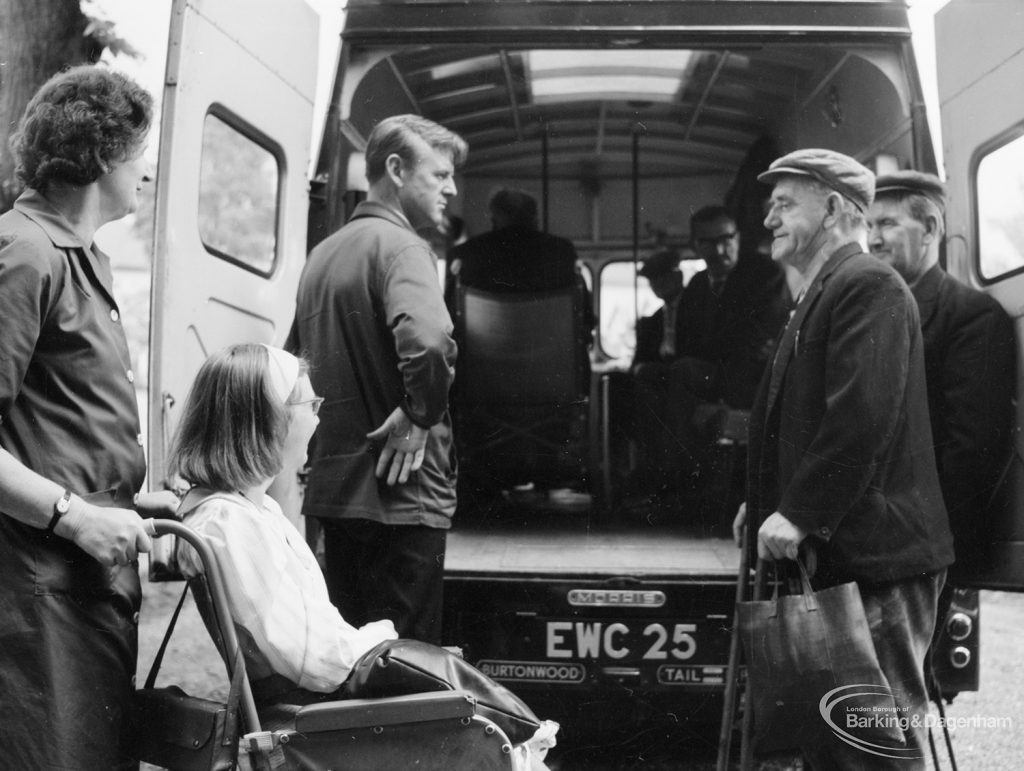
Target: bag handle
x=806 y=591
x=153 y=670
x=810 y=601
x=234 y=690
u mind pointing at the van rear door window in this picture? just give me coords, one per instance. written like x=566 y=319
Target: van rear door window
x=238 y=197
x=999 y=187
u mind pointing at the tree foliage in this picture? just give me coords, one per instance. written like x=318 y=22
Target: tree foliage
x=37 y=39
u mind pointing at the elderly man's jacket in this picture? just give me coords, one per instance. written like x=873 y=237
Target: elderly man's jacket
x=840 y=440
x=970 y=360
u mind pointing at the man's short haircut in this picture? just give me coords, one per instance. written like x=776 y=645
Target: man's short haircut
x=78 y=124
x=513 y=208
x=233 y=426
x=709 y=214
x=394 y=136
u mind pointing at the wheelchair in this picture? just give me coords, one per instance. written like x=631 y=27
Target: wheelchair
x=440 y=731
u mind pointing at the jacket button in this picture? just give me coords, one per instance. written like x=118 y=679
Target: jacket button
x=824 y=531
x=114 y=315
x=135 y=618
x=131 y=376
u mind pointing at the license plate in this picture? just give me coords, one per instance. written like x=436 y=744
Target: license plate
x=635 y=641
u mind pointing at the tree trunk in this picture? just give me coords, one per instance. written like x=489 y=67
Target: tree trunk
x=37 y=39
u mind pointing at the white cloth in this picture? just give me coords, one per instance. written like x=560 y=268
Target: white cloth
x=283 y=371
x=667 y=349
x=276 y=590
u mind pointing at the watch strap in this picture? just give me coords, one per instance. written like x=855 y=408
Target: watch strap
x=60 y=508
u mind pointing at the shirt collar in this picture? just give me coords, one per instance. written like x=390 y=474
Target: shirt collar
x=34 y=205
x=382 y=210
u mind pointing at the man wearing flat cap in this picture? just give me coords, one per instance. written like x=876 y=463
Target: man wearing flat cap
x=658 y=335
x=659 y=339
x=841 y=464
x=969 y=354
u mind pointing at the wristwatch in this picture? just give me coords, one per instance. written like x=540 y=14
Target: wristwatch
x=60 y=508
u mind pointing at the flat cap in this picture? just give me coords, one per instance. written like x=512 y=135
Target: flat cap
x=659 y=262
x=834 y=170
x=910 y=181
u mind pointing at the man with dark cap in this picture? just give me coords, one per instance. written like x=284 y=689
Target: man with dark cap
x=658 y=335
x=969 y=353
x=841 y=466
x=664 y=447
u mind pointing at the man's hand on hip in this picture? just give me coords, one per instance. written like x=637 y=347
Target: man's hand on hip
x=404 y=447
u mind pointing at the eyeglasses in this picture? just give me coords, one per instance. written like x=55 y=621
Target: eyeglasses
x=314 y=403
x=721 y=240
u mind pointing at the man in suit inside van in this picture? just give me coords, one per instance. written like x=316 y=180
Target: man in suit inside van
x=710 y=342
x=841 y=463
x=732 y=311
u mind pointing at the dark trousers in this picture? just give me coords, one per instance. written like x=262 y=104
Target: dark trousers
x=901 y=616
x=375 y=571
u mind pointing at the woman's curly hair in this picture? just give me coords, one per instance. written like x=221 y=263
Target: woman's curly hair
x=78 y=123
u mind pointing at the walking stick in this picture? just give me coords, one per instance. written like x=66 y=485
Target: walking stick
x=746 y=745
x=733 y=670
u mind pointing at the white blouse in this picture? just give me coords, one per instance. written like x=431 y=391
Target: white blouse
x=276 y=590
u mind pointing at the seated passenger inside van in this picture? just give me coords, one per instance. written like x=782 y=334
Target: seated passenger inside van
x=250 y=414
x=708 y=344
x=516 y=256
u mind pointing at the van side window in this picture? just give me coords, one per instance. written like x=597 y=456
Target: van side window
x=618 y=316
x=999 y=187
x=239 y=182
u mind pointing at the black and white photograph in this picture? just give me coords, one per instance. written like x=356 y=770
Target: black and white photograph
x=526 y=385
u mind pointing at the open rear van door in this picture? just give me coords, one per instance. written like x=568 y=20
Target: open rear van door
x=230 y=221
x=980 y=49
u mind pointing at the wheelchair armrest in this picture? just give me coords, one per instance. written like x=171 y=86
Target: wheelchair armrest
x=393 y=710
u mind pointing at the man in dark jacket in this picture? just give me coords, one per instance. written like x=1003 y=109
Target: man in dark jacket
x=372 y=321
x=841 y=461
x=710 y=341
x=733 y=311
x=658 y=335
x=969 y=354
x=515 y=256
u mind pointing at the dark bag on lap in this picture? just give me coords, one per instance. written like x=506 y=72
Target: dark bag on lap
x=402 y=667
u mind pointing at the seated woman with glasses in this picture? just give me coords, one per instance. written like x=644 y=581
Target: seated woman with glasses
x=250 y=414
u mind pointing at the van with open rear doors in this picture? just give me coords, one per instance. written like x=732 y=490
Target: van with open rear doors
x=605 y=605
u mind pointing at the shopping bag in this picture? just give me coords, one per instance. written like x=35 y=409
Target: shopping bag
x=812 y=672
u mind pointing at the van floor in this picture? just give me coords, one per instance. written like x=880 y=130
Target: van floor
x=625 y=549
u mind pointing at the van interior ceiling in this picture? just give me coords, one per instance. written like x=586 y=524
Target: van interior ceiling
x=586 y=130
